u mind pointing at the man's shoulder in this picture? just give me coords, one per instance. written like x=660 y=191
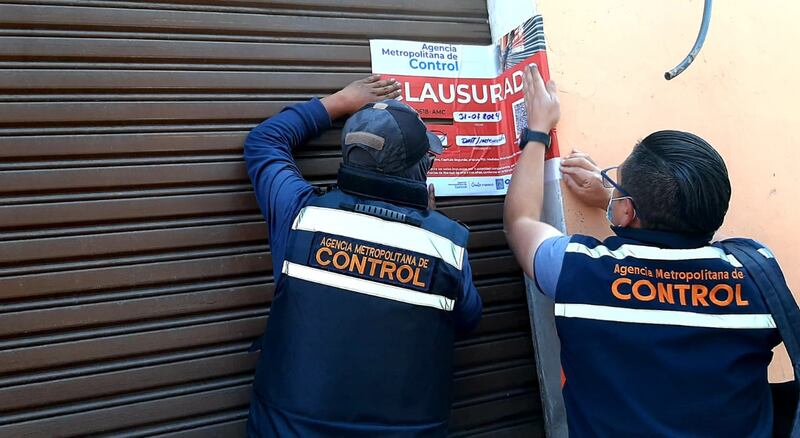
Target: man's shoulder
x=742 y=241
x=583 y=240
x=442 y=224
x=746 y=242
x=449 y=220
x=292 y=204
x=557 y=246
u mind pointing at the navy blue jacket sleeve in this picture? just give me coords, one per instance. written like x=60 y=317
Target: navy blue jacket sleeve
x=279 y=187
x=469 y=306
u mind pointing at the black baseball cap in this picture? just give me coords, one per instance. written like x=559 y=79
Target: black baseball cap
x=388 y=137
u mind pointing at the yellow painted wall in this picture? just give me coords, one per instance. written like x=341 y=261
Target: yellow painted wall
x=741 y=94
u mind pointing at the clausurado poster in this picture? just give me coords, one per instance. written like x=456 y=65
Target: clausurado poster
x=471 y=96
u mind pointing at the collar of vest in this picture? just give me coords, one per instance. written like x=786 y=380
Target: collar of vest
x=663 y=239
x=388 y=188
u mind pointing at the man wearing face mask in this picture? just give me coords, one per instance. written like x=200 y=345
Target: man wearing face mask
x=662 y=331
x=371 y=284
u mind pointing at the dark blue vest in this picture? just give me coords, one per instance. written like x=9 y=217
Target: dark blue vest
x=360 y=334
x=662 y=335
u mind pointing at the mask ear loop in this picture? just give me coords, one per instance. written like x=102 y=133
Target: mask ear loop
x=608 y=209
x=635 y=210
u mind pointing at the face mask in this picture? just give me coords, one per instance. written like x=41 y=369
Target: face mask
x=609 y=214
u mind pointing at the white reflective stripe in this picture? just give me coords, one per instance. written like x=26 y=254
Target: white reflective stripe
x=383 y=232
x=766 y=253
x=665 y=317
x=652 y=253
x=367 y=287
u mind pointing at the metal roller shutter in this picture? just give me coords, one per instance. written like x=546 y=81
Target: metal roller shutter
x=134 y=271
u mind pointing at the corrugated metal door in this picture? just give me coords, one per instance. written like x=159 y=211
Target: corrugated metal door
x=134 y=270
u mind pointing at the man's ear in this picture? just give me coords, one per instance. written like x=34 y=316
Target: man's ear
x=628 y=214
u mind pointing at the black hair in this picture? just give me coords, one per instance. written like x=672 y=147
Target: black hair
x=678 y=182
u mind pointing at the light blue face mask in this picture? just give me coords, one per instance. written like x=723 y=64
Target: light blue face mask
x=609 y=214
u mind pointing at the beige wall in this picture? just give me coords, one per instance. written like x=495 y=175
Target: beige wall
x=741 y=95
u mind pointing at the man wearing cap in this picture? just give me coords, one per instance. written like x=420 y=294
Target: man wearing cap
x=371 y=283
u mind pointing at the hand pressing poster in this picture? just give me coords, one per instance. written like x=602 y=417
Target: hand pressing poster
x=471 y=96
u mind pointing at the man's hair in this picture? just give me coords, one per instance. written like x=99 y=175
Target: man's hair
x=678 y=182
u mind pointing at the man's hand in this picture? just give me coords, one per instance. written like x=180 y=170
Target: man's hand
x=582 y=177
x=541 y=101
x=431 y=197
x=359 y=93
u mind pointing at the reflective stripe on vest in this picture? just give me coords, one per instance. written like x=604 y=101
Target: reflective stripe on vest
x=384 y=232
x=665 y=317
x=367 y=287
x=653 y=253
x=766 y=253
